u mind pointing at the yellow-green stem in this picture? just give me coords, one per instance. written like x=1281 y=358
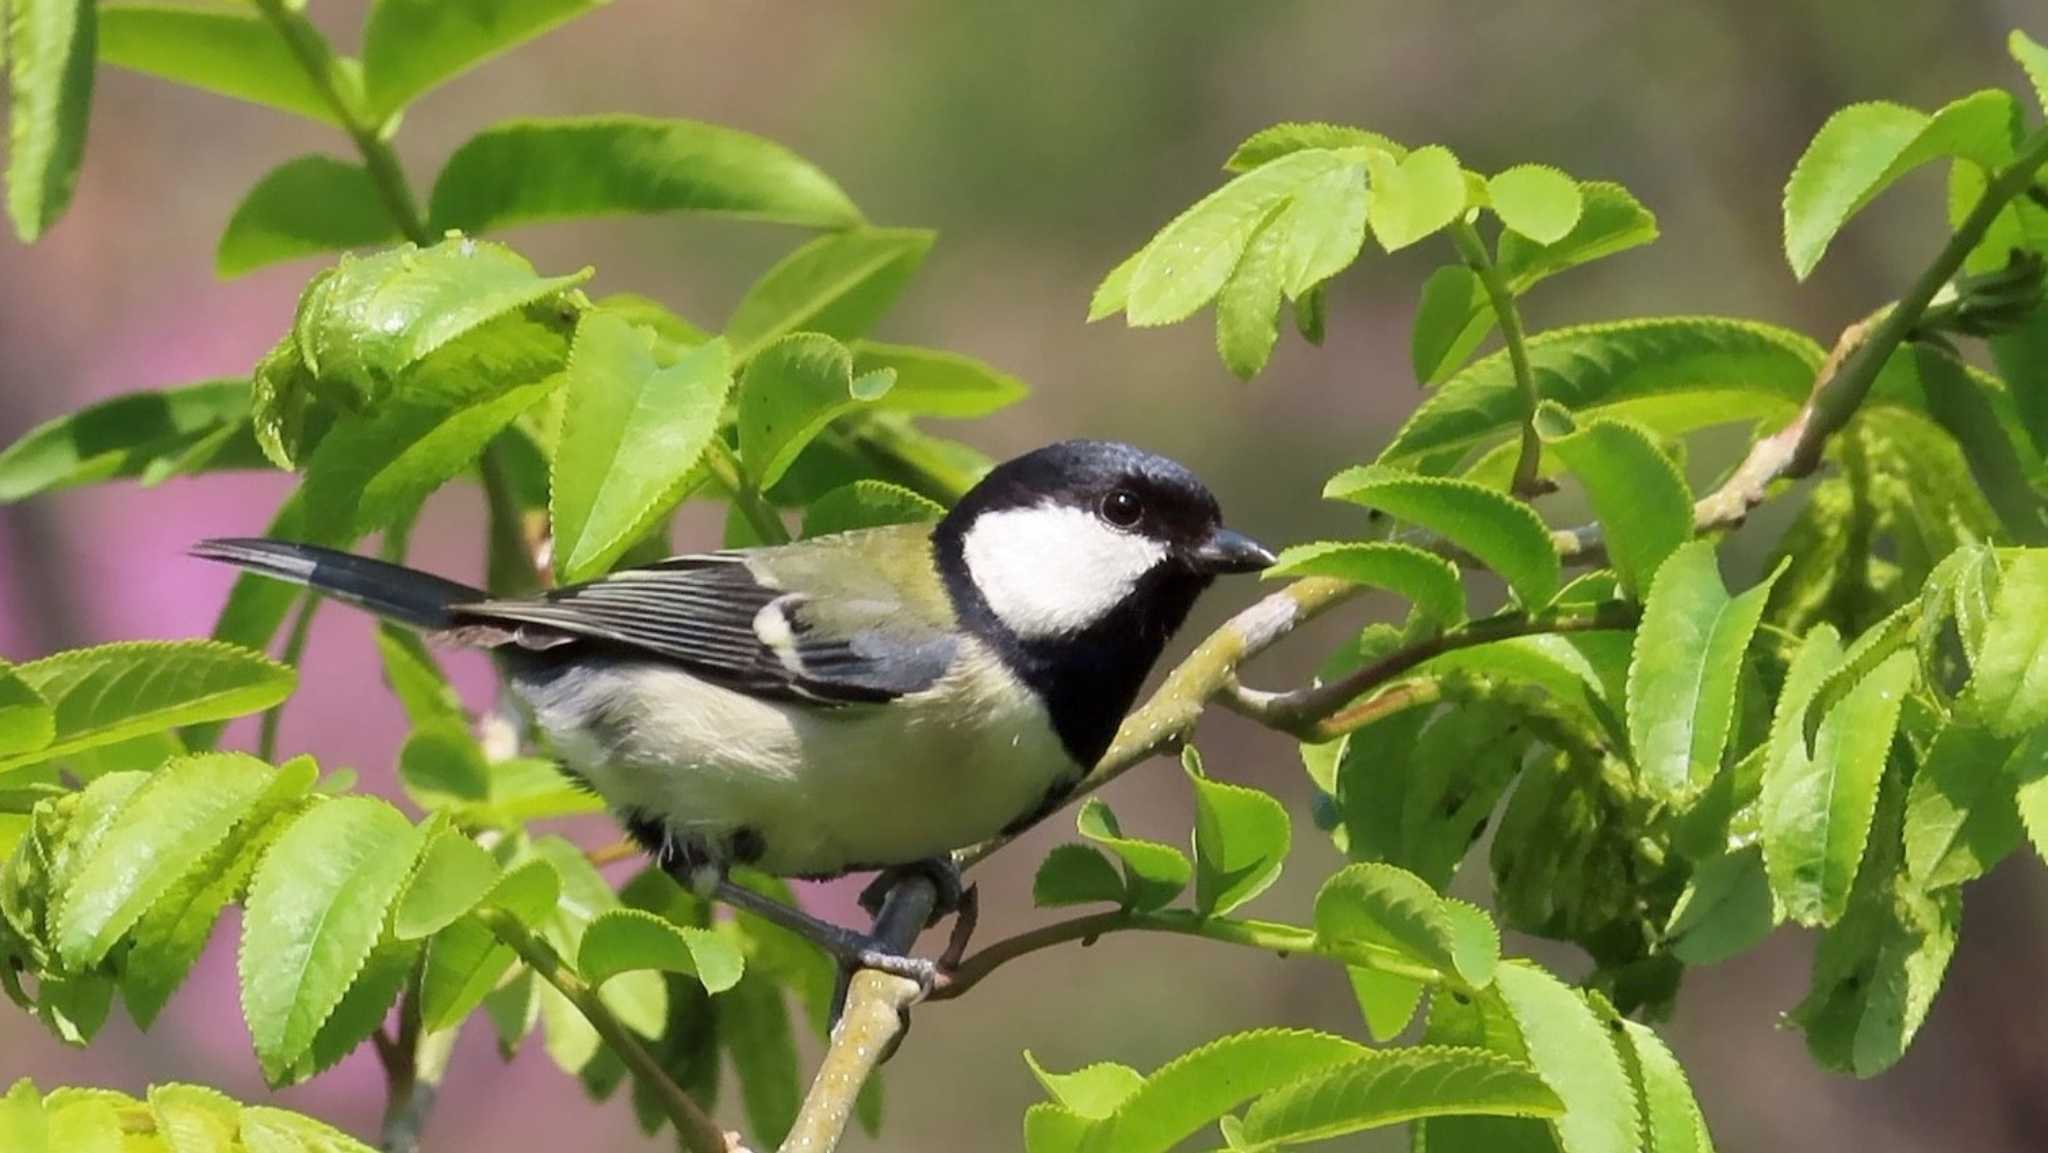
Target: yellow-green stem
x=1473 y=251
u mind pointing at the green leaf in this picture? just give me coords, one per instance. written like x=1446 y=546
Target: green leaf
x=791 y=391
x=195 y=1119
x=127 y=436
x=1451 y=297
x=2008 y=689
x=1816 y=807
x=1966 y=408
x=1389 y=1087
x=1387 y=1002
x=316 y=908
x=26 y=720
x=632 y=431
x=1670 y=375
x=455 y=874
x=1636 y=492
x=527 y=171
x=305 y=206
x=50 y=49
x=1576 y=1057
x=1076 y=875
x=1876 y=973
x=2033 y=60
x=934 y=383
x=839 y=285
x=1682 y=679
x=1270 y=144
x=1321 y=201
x=100 y=696
x=464 y=963
x=1093 y=1092
x=1536 y=201
x=416 y=679
x=412 y=46
x=363 y=1009
x=639 y=999
x=528 y=891
x=1671 y=1117
x=1382 y=907
x=1241 y=841
x=1504 y=533
x=171 y=823
x=1864 y=148
x=628 y=940
x=867 y=504
x=1427 y=580
x=369 y=319
x=1154 y=874
x=1724 y=910
x=1416 y=196
x=441 y=765
x=754 y=1027
x=1961 y=814
x=23 y=1124
x=267 y=1130
x=239 y=55
x=1196 y=1088
x=1248 y=305
x=85 y=1121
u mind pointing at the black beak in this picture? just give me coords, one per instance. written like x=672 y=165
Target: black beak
x=1230 y=552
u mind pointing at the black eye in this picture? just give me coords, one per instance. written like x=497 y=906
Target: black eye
x=1122 y=508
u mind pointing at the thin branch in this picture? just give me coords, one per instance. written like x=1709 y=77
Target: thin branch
x=1285 y=940
x=1473 y=250
x=697 y=1131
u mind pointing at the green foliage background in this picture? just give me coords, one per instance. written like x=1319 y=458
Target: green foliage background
x=1042 y=146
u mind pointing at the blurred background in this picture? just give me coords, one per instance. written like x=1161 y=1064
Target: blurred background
x=1045 y=141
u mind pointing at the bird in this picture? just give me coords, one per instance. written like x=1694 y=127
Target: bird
x=868 y=700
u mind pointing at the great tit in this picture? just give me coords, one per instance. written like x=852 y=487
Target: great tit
x=866 y=700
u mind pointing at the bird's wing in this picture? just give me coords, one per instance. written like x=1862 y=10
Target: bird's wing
x=761 y=621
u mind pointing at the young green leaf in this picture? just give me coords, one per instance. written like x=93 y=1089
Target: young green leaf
x=100 y=696
x=1876 y=973
x=1415 y=196
x=1093 y=1092
x=1961 y=815
x=930 y=382
x=277 y=1131
x=23 y=1123
x=1076 y=875
x=1451 y=298
x=201 y=1118
x=413 y=46
x=1381 y=907
x=754 y=1028
x=2033 y=60
x=455 y=875
x=1241 y=840
x=2008 y=689
x=1270 y=144
x=125 y=436
x=639 y=999
x=526 y=171
x=1864 y=148
x=628 y=940
x=1536 y=201
x=529 y=891
x=1682 y=679
x=1671 y=1118
x=1154 y=874
x=235 y=54
x=839 y=285
x=441 y=766
x=1575 y=1054
x=1386 y=1001
x=1670 y=375
x=632 y=432
x=316 y=907
x=1638 y=494
x=85 y=1121
x=363 y=1009
x=464 y=963
x=1198 y=1087
x=1724 y=910
x=308 y=205
x=1501 y=531
x=1816 y=807
x=792 y=390
x=1427 y=580
x=26 y=720
x=49 y=50
x=1397 y=1085
x=867 y=504
x=416 y=679
x=1248 y=305
x=172 y=823
x=1965 y=405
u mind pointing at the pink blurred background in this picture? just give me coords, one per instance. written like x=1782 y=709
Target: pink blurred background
x=1045 y=141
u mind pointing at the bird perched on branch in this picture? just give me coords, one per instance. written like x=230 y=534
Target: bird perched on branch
x=869 y=700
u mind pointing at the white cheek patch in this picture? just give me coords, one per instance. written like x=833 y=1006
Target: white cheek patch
x=1050 y=570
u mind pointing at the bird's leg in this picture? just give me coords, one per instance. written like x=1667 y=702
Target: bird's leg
x=943 y=873
x=851 y=949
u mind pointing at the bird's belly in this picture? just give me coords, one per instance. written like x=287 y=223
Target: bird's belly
x=815 y=790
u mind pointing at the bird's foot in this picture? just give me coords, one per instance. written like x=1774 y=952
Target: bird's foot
x=942 y=872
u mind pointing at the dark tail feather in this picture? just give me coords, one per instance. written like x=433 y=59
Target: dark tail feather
x=405 y=595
